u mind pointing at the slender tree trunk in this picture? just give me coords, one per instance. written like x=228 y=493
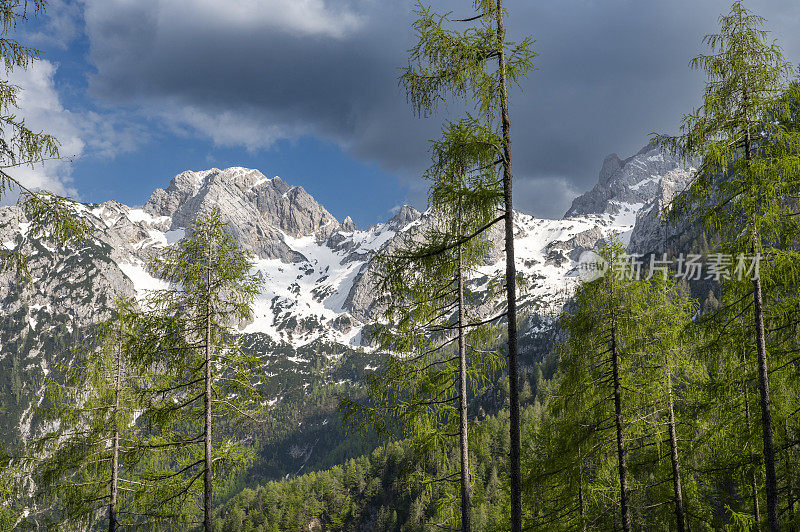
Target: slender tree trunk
x=625 y=511
x=466 y=522
x=680 y=514
x=753 y=480
x=766 y=412
x=789 y=476
x=581 y=503
x=763 y=375
x=112 y=505
x=511 y=286
x=207 y=491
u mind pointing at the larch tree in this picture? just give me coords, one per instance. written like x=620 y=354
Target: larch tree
x=432 y=333
x=664 y=338
x=88 y=451
x=204 y=381
x=748 y=172
x=615 y=396
x=49 y=215
x=475 y=64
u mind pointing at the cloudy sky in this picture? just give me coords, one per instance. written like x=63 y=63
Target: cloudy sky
x=140 y=90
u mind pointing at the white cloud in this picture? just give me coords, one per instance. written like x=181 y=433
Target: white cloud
x=80 y=134
x=227 y=127
x=301 y=17
x=62 y=25
x=309 y=17
x=40 y=107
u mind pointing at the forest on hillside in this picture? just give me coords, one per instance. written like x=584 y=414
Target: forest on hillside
x=667 y=397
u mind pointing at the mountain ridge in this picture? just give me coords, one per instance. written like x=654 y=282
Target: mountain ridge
x=327 y=261
x=318 y=274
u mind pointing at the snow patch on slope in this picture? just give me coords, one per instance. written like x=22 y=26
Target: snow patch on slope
x=142 y=281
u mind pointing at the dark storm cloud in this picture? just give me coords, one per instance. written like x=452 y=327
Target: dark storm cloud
x=610 y=73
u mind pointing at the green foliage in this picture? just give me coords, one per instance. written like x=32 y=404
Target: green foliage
x=644 y=388
x=421 y=389
x=744 y=133
x=187 y=336
x=456 y=65
x=377 y=491
x=747 y=189
x=448 y=64
x=476 y=65
x=12 y=484
x=417 y=393
x=20 y=146
x=631 y=333
x=89 y=404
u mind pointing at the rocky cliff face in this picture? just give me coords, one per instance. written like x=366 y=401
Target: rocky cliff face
x=651 y=232
x=260 y=210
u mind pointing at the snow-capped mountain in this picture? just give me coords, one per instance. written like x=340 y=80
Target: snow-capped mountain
x=319 y=278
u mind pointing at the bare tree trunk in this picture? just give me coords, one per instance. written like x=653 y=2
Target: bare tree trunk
x=680 y=513
x=789 y=476
x=581 y=503
x=766 y=412
x=466 y=523
x=753 y=480
x=511 y=286
x=112 y=505
x=207 y=487
x=625 y=511
x=763 y=377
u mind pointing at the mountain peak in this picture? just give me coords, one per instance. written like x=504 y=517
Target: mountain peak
x=260 y=210
x=626 y=183
x=404 y=216
x=348 y=225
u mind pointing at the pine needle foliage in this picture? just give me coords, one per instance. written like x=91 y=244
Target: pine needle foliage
x=469 y=60
x=448 y=64
x=48 y=214
x=609 y=451
x=747 y=184
x=90 y=444
x=435 y=339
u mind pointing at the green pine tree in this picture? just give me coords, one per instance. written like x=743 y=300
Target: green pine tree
x=434 y=339
x=48 y=213
x=611 y=423
x=90 y=451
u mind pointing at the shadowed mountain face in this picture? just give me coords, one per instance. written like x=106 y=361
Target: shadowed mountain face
x=319 y=280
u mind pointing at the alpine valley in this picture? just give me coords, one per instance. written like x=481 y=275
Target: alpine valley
x=312 y=320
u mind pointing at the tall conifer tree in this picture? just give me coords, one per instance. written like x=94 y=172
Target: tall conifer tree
x=203 y=375
x=749 y=169
x=612 y=420
x=90 y=453
x=435 y=344
x=477 y=65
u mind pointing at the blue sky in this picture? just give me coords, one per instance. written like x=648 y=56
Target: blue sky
x=140 y=90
